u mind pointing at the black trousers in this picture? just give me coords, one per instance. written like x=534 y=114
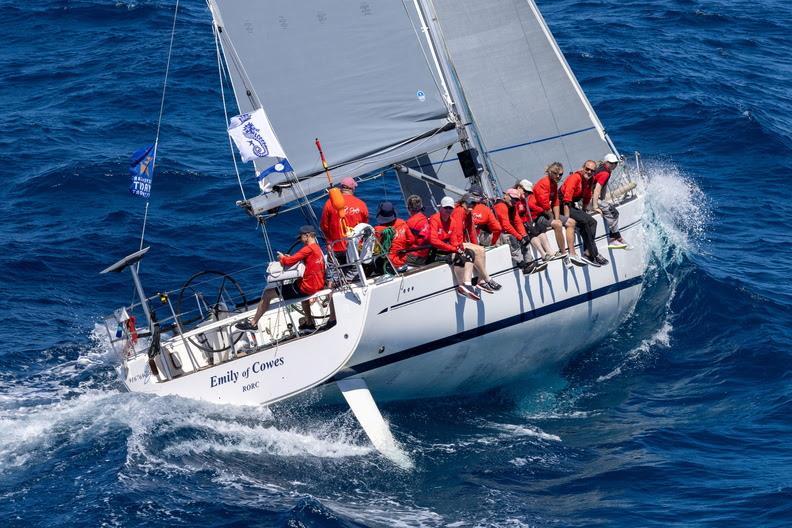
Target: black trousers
x=588 y=230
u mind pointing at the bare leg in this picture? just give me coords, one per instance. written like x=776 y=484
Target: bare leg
x=468 y=272
x=479 y=260
x=536 y=242
x=559 y=234
x=309 y=319
x=266 y=299
x=570 y=235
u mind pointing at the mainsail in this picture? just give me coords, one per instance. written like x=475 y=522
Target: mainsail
x=527 y=105
x=354 y=74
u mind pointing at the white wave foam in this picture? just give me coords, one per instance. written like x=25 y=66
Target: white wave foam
x=524 y=430
x=677 y=213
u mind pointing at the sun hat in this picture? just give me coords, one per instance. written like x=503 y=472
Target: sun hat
x=447 y=201
x=610 y=158
x=514 y=193
x=386 y=213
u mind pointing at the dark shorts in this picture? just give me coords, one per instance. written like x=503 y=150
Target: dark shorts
x=415 y=260
x=539 y=226
x=455 y=258
x=290 y=291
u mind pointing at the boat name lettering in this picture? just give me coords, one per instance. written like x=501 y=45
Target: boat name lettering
x=232 y=376
x=261 y=366
x=229 y=377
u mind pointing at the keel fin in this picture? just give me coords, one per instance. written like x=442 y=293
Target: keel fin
x=359 y=398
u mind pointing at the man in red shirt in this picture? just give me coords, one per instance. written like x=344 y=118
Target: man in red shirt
x=419 y=227
x=447 y=236
x=395 y=232
x=514 y=232
x=545 y=202
x=484 y=220
x=575 y=189
x=608 y=211
x=312 y=280
x=356 y=213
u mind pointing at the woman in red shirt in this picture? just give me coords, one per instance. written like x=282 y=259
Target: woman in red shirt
x=312 y=281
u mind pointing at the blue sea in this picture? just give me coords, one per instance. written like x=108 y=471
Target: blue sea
x=683 y=417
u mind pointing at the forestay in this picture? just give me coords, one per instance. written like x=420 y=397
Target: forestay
x=525 y=100
x=353 y=74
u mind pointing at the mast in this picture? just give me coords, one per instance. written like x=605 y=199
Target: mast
x=458 y=104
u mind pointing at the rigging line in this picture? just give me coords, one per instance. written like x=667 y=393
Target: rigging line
x=159 y=122
x=225 y=110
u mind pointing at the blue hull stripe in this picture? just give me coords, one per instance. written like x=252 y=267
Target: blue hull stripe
x=488 y=328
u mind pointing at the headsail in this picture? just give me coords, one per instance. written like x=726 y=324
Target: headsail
x=351 y=73
x=525 y=100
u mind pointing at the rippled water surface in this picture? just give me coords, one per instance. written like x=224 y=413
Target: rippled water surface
x=681 y=418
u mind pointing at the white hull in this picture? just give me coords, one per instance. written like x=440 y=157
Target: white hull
x=412 y=336
x=436 y=343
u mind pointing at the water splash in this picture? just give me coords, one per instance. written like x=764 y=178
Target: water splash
x=677 y=213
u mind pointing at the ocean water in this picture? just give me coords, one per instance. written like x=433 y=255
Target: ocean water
x=682 y=417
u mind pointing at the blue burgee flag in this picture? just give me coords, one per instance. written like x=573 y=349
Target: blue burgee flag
x=283 y=166
x=142 y=170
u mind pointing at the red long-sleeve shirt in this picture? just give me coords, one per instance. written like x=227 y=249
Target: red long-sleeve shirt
x=419 y=227
x=467 y=229
x=509 y=219
x=544 y=197
x=483 y=216
x=313 y=278
x=402 y=239
x=576 y=188
x=356 y=213
x=445 y=236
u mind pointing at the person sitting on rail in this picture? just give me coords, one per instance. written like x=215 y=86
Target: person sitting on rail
x=545 y=202
x=484 y=219
x=394 y=237
x=447 y=239
x=514 y=232
x=356 y=212
x=536 y=228
x=574 y=189
x=468 y=237
x=418 y=224
x=608 y=211
x=312 y=280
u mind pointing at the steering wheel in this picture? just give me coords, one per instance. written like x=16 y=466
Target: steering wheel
x=215 y=308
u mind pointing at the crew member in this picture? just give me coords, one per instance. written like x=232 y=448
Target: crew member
x=312 y=281
x=608 y=211
x=418 y=224
x=575 y=188
x=545 y=202
x=514 y=233
x=394 y=235
x=356 y=213
x=484 y=220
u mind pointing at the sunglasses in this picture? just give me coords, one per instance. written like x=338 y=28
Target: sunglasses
x=586 y=169
x=448 y=208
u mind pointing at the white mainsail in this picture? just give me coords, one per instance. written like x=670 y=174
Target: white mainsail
x=354 y=74
x=526 y=103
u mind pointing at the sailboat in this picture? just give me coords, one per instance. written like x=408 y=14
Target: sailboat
x=438 y=94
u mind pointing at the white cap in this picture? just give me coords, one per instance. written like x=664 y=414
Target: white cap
x=610 y=158
x=447 y=201
x=526 y=185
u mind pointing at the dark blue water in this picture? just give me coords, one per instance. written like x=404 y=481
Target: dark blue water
x=682 y=418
